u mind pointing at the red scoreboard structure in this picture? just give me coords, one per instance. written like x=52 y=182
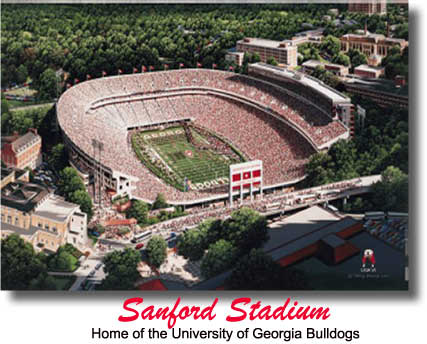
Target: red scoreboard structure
x=245 y=177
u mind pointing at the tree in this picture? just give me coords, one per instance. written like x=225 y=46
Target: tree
x=138 y=210
x=48 y=87
x=63 y=261
x=192 y=244
x=258 y=271
x=214 y=230
x=318 y=170
x=331 y=45
x=120 y=268
x=5 y=115
x=82 y=198
x=69 y=182
x=43 y=282
x=72 y=187
x=20 y=264
x=391 y=193
x=254 y=271
x=343 y=154
x=58 y=157
x=246 y=229
x=396 y=63
x=272 y=61
x=156 y=251
x=357 y=58
x=21 y=74
x=160 y=202
x=341 y=59
x=220 y=256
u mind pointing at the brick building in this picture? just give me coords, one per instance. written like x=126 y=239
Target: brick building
x=374 y=46
x=22 y=151
x=368 y=7
x=366 y=71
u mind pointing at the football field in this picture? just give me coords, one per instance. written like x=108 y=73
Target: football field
x=185 y=159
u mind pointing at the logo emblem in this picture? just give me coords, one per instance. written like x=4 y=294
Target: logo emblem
x=189 y=153
x=368 y=261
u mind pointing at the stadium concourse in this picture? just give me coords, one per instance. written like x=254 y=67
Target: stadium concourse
x=259 y=118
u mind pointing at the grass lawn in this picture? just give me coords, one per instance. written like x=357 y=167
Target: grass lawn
x=22 y=91
x=16 y=104
x=185 y=159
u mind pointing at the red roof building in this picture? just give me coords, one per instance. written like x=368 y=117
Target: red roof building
x=22 y=151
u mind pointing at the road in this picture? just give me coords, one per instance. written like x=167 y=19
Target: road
x=29 y=107
x=83 y=272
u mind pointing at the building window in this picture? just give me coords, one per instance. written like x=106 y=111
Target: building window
x=16 y=221
x=9 y=219
x=46 y=226
x=40 y=225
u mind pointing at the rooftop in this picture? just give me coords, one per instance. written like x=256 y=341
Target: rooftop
x=313 y=83
x=56 y=209
x=7 y=171
x=23 y=196
x=368 y=68
x=268 y=43
x=315 y=63
x=21 y=142
x=374 y=37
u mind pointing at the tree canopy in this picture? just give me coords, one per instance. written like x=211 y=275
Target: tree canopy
x=156 y=250
x=192 y=244
x=246 y=229
x=258 y=271
x=73 y=189
x=139 y=211
x=20 y=264
x=220 y=257
x=120 y=268
x=160 y=202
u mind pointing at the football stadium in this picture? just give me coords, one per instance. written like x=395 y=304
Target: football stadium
x=177 y=132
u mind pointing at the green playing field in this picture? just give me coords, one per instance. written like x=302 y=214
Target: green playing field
x=185 y=159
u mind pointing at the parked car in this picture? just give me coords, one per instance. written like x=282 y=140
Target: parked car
x=139 y=246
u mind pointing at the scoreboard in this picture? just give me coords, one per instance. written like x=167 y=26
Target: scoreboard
x=245 y=177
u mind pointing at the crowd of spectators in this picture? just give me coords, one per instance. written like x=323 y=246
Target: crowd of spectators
x=392 y=230
x=234 y=106
x=280 y=198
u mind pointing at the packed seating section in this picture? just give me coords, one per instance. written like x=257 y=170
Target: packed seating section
x=133 y=101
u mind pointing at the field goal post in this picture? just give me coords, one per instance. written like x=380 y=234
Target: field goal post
x=246 y=176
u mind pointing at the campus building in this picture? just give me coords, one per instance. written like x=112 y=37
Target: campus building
x=22 y=151
x=235 y=57
x=337 y=69
x=365 y=71
x=368 y=7
x=33 y=212
x=285 y=52
x=374 y=46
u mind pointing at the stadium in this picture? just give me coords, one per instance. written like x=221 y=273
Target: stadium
x=177 y=132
